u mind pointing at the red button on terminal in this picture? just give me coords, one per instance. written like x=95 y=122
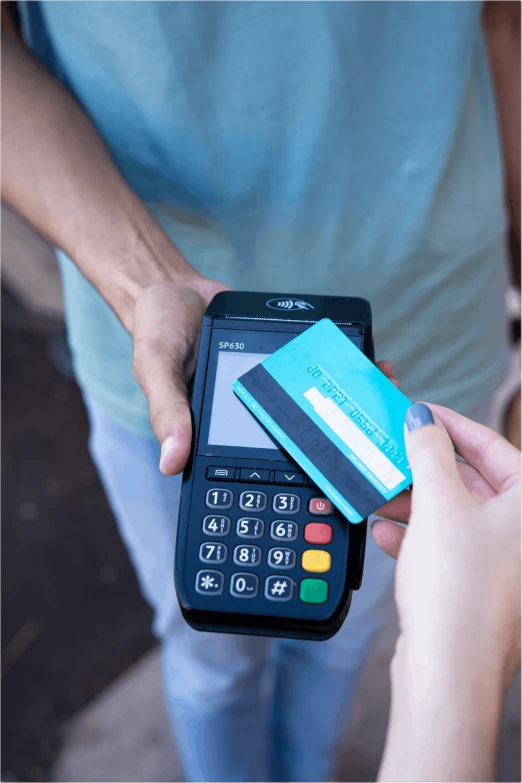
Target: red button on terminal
x=318 y=533
x=320 y=506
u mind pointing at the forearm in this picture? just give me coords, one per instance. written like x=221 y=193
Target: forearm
x=444 y=720
x=57 y=173
x=502 y=29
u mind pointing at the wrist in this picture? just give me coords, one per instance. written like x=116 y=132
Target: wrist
x=444 y=717
x=139 y=256
x=457 y=689
x=435 y=668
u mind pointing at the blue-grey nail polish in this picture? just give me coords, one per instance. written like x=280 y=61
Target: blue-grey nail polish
x=418 y=415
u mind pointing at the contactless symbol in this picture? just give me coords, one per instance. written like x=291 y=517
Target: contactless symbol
x=289 y=304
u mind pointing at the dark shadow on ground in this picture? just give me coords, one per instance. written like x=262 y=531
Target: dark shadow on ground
x=72 y=616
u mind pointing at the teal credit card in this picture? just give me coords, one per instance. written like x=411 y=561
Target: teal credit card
x=337 y=416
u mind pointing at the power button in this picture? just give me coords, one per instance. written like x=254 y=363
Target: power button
x=320 y=506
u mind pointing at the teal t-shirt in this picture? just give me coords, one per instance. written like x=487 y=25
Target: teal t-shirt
x=329 y=147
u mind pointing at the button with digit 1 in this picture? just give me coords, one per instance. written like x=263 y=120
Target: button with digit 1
x=219 y=498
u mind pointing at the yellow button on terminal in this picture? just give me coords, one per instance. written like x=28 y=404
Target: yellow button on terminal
x=316 y=560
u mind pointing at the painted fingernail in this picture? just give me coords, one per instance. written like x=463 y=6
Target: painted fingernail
x=166 y=447
x=418 y=415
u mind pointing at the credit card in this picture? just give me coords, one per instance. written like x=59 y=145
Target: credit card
x=337 y=416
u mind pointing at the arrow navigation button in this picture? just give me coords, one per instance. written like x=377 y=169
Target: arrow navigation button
x=286 y=477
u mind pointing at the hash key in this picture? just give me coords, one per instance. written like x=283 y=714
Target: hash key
x=279 y=588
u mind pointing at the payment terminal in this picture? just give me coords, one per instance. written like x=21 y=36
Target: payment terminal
x=259 y=549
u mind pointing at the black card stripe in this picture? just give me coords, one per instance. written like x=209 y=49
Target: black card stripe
x=333 y=464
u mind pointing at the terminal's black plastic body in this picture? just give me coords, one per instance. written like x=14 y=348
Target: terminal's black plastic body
x=261 y=323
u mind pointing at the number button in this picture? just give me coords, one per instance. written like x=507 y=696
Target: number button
x=281 y=557
x=210 y=582
x=219 y=498
x=244 y=585
x=211 y=552
x=252 y=501
x=283 y=530
x=247 y=555
x=286 y=504
x=249 y=527
x=216 y=526
x=279 y=588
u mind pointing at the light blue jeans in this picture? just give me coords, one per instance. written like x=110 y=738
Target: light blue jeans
x=242 y=708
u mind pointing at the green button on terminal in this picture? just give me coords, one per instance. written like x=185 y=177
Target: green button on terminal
x=314 y=591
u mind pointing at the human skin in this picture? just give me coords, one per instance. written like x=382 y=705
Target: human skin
x=457 y=591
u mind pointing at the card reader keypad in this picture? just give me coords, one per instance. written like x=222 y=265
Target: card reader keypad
x=273 y=547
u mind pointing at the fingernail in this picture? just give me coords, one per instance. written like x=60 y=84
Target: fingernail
x=166 y=447
x=418 y=415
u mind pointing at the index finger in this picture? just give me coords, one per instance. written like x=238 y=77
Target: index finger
x=489 y=453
